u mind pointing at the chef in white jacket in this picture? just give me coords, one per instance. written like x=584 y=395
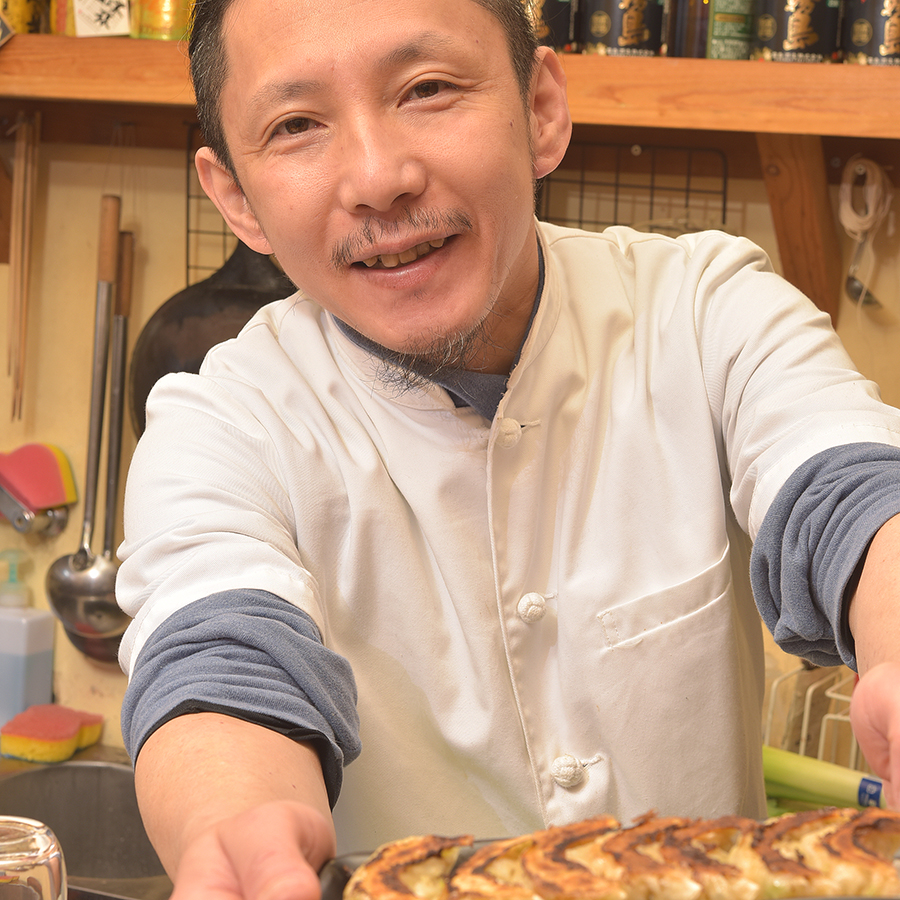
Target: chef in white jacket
x=476 y=504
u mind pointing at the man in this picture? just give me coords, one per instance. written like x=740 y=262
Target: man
x=496 y=477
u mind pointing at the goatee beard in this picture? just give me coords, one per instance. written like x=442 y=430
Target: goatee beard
x=434 y=357
x=437 y=358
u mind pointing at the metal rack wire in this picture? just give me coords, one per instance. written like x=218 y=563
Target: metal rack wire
x=208 y=240
x=660 y=188
x=808 y=712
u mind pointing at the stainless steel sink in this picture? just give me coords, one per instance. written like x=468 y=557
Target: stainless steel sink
x=90 y=804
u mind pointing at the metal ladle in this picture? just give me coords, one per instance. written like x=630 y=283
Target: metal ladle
x=81 y=586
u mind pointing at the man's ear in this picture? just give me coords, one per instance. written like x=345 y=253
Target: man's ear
x=551 y=122
x=226 y=193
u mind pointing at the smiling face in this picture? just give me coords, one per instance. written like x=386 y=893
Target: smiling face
x=385 y=156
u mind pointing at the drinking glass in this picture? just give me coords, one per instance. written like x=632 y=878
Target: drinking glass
x=31 y=861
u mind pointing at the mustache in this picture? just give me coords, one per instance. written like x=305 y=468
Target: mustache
x=412 y=221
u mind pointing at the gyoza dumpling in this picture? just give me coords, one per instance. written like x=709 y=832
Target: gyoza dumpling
x=708 y=847
x=783 y=855
x=560 y=868
x=415 y=867
x=494 y=871
x=857 y=857
x=648 y=872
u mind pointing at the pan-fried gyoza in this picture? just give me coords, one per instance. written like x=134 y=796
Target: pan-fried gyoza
x=818 y=853
x=415 y=866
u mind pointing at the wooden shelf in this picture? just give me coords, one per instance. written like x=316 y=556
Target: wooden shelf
x=106 y=70
x=735 y=95
x=694 y=94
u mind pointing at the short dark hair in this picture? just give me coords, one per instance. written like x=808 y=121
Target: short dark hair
x=209 y=66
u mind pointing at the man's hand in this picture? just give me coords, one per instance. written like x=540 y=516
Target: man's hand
x=875 y=624
x=271 y=852
x=235 y=811
x=875 y=716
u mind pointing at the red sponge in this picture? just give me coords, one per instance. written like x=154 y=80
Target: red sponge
x=38 y=476
x=49 y=733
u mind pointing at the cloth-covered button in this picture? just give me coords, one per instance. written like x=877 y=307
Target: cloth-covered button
x=508 y=433
x=532 y=608
x=567 y=771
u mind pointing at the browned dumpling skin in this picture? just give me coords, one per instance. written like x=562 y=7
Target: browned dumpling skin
x=494 y=871
x=708 y=847
x=565 y=862
x=414 y=867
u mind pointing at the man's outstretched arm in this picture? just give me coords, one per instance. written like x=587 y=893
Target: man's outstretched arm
x=234 y=810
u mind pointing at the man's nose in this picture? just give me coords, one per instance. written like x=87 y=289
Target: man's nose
x=380 y=168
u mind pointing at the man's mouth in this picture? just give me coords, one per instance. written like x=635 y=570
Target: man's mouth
x=392 y=260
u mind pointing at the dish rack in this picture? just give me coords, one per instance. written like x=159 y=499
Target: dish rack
x=808 y=712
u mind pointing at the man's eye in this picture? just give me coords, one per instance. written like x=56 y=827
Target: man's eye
x=428 y=89
x=296 y=126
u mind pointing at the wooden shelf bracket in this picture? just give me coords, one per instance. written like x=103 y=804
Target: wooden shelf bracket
x=794 y=172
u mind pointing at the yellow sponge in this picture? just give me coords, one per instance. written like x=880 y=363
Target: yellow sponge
x=49 y=733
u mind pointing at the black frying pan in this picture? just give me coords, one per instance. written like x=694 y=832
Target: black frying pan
x=181 y=332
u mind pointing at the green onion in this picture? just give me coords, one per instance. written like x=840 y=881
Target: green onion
x=774 y=807
x=789 y=805
x=803 y=778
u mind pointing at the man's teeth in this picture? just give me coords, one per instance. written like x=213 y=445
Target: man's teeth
x=392 y=260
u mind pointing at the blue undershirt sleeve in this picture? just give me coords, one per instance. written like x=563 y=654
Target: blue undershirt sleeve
x=251 y=655
x=813 y=539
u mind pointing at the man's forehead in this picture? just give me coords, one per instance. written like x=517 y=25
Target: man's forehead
x=344 y=11
x=384 y=34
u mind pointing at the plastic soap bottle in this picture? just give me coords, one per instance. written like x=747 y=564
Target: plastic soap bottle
x=26 y=643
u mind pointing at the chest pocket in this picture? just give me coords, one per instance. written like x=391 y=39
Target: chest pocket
x=628 y=624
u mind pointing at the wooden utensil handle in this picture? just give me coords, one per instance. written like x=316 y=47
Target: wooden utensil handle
x=126 y=273
x=110 y=207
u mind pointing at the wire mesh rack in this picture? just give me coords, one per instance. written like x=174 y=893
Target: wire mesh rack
x=658 y=188
x=208 y=240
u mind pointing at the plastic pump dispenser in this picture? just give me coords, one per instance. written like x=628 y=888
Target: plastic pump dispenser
x=26 y=643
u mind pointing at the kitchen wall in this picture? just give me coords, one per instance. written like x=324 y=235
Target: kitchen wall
x=71 y=181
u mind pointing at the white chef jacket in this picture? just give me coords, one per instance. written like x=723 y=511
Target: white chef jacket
x=548 y=615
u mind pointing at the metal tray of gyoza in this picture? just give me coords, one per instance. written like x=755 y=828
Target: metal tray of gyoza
x=336 y=873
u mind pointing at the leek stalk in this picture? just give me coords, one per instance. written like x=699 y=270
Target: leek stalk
x=802 y=778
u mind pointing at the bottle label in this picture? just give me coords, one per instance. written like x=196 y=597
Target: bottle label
x=798 y=31
x=622 y=27
x=554 y=22
x=871 y=32
x=730 y=30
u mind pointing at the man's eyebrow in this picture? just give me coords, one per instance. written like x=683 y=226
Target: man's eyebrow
x=424 y=45
x=279 y=91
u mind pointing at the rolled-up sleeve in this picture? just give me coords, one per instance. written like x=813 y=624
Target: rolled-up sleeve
x=811 y=542
x=250 y=655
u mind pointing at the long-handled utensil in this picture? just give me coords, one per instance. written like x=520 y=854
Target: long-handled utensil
x=117 y=380
x=20 y=239
x=81 y=586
